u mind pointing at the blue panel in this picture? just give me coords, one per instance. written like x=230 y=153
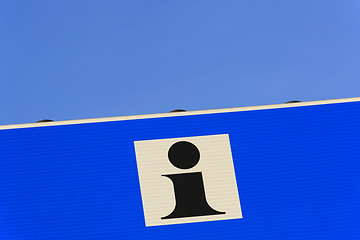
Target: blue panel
x=297 y=172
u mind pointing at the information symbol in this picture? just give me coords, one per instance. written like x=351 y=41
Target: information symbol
x=188 y=187
x=187 y=179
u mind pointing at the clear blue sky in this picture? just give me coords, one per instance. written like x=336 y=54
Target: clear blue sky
x=73 y=59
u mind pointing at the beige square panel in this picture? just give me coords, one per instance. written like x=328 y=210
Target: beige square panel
x=174 y=193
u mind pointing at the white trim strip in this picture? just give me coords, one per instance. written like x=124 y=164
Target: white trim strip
x=176 y=114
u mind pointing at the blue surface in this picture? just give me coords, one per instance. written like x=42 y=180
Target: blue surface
x=297 y=169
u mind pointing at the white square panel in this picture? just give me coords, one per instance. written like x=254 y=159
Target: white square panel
x=214 y=169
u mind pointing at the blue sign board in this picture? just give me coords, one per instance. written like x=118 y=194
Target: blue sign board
x=288 y=171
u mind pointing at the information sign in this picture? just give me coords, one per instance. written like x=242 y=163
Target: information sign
x=287 y=171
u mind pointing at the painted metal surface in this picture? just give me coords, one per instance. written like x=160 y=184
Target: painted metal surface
x=297 y=170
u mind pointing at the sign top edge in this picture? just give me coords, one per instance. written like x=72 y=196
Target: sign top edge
x=177 y=114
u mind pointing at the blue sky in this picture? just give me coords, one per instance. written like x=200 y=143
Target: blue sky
x=86 y=59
